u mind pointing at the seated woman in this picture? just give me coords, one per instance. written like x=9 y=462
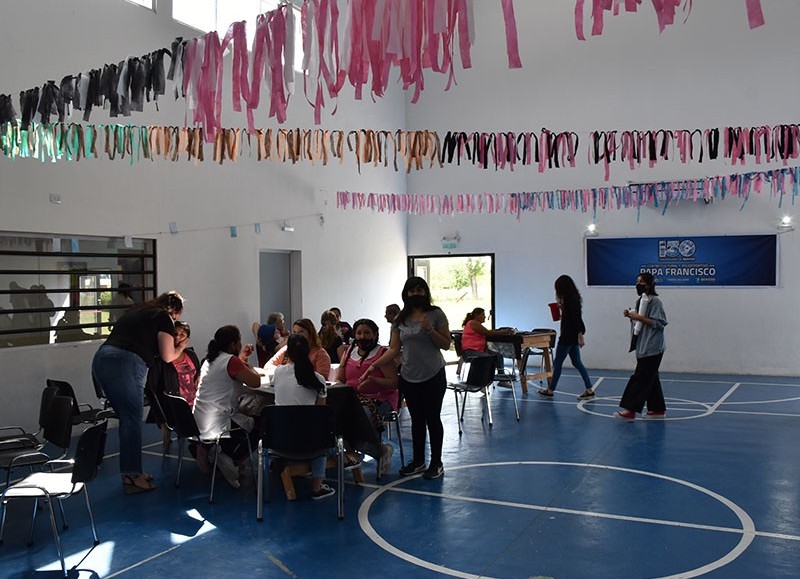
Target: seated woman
x=222 y=379
x=269 y=336
x=379 y=394
x=328 y=336
x=473 y=340
x=296 y=383
x=317 y=355
x=179 y=377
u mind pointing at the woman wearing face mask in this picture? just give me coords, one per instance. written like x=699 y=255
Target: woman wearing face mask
x=378 y=394
x=647 y=324
x=419 y=333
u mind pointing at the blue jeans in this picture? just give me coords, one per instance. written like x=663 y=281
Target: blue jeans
x=574 y=353
x=122 y=375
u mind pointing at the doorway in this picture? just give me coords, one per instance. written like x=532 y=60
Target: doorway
x=279 y=283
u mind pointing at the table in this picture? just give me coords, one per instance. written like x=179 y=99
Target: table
x=537 y=340
x=520 y=341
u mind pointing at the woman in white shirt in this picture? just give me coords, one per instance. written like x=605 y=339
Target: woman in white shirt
x=223 y=377
x=297 y=384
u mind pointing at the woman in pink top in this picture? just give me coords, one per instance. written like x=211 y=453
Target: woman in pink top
x=378 y=394
x=474 y=336
x=317 y=355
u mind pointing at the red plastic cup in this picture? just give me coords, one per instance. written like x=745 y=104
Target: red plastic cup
x=555 y=311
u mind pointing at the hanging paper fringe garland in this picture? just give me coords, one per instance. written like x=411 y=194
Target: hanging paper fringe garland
x=779 y=183
x=665 y=12
x=405 y=150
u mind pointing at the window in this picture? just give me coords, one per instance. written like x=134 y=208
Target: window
x=218 y=15
x=69 y=288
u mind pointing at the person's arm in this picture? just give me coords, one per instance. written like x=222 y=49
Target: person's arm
x=245 y=373
x=168 y=348
x=388 y=356
x=389 y=380
x=439 y=336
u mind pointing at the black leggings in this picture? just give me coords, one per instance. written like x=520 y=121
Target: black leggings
x=424 y=400
x=644 y=387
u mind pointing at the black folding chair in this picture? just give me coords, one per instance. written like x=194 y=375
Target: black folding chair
x=180 y=420
x=57 y=430
x=18 y=437
x=81 y=413
x=49 y=486
x=298 y=434
x=480 y=378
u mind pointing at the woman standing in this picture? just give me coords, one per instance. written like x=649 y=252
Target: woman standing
x=570 y=339
x=120 y=368
x=296 y=383
x=419 y=333
x=647 y=324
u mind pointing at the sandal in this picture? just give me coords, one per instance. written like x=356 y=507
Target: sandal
x=134 y=484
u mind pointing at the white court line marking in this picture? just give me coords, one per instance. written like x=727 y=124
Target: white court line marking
x=725 y=396
x=748 y=531
x=140 y=563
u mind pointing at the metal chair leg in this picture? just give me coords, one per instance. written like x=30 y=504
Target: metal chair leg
x=91 y=516
x=33 y=520
x=181 y=442
x=400 y=441
x=56 y=537
x=217 y=450
x=340 y=475
x=514 y=395
x=260 y=483
x=488 y=396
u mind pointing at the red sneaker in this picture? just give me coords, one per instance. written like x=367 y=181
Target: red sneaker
x=625 y=414
x=654 y=414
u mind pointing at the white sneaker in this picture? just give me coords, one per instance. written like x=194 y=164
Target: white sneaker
x=228 y=470
x=386 y=458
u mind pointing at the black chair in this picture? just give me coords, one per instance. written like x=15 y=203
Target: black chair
x=480 y=377
x=297 y=434
x=101 y=396
x=49 y=486
x=180 y=420
x=18 y=437
x=86 y=416
x=528 y=352
x=57 y=430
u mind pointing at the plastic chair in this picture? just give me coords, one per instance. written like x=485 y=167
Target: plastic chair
x=297 y=434
x=18 y=437
x=47 y=486
x=538 y=351
x=86 y=416
x=180 y=420
x=57 y=430
x=480 y=377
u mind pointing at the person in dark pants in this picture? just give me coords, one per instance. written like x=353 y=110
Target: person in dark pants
x=570 y=339
x=647 y=328
x=419 y=334
x=120 y=368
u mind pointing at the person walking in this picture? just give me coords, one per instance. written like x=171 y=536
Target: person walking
x=648 y=320
x=570 y=339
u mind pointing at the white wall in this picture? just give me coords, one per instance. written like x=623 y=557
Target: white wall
x=353 y=260
x=710 y=72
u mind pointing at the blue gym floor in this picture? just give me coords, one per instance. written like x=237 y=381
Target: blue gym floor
x=569 y=491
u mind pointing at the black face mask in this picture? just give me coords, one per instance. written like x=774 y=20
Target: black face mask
x=366 y=345
x=640 y=288
x=416 y=301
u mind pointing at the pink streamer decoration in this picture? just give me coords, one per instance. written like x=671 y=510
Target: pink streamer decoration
x=665 y=13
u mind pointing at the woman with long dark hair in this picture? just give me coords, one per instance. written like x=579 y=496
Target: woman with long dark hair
x=120 y=366
x=223 y=376
x=648 y=319
x=378 y=395
x=419 y=334
x=570 y=339
x=297 y=384
x=474 y=336
x=316 y=353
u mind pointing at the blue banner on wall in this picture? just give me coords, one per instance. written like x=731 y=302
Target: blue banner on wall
x=721 y=260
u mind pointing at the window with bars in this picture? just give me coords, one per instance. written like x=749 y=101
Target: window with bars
x=72 y=287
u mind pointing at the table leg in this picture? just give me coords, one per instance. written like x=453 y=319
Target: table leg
x=523 y=378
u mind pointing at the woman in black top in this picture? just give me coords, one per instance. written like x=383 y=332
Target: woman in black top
x=570 y=339
x=120 y=368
